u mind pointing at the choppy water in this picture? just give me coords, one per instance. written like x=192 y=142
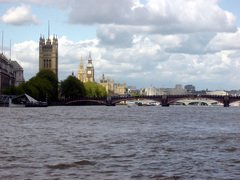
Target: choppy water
x=120 y=143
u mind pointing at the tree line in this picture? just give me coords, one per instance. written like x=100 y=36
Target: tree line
x=45 y=85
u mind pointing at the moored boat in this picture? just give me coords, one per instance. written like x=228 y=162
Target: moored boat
x=25 y=100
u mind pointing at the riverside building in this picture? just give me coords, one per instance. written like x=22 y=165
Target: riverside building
x=111 y=87
x=11 y=73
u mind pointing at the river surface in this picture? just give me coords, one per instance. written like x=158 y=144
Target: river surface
x=99 y=142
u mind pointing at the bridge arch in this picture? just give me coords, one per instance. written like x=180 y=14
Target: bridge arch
x=232 y=101
x=194 y=100
x=136 y=98
x=85 y=102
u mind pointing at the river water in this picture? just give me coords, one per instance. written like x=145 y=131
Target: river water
x=98 y=142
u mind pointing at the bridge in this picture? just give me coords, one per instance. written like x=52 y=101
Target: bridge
x=165 y=100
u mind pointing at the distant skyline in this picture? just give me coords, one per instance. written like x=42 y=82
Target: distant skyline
x=144 y=43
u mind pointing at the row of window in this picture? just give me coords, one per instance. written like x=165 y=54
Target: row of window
x=6 y=67
x=47 y=63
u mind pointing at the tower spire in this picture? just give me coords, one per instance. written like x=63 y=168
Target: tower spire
x=81 y=74
x=81 y=60
x=90 y=56
x=81 y=63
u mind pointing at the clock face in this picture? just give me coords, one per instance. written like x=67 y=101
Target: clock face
x=89 y=72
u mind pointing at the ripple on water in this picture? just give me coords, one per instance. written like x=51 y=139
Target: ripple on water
x=72 y=165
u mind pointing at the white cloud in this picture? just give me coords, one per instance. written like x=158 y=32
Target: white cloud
x=225 y=41
x=166 y=17
x=20 y=15
x=26 y=53
x=58 y=3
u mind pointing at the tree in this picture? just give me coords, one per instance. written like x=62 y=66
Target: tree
x=95 y=90
x=72 y=88
x=52 y=78
x=10 y=91
x=42 y=89
x=43 y=85
x=101 y=91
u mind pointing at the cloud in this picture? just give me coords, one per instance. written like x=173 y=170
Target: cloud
x=26 y=53
x=59 y=4
x=101 y=12
x=152 y=16
x=18 y=16
x=114 y=36
x=225 y=41
x=195 y=43
x=165 y=17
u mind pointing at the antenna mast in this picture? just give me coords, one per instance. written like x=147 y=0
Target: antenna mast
x=2 y=42
x=48 y=29
x=10 y=49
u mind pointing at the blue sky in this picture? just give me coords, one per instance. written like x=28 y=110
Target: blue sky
x=146 y=43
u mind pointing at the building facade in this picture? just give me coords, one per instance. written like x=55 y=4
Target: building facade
x=217 y=93
x=111 y=87
x=152 y=91
x=190 y=88
x=48 y=54
x=11 y=73
x=120 y=89
x=107 y=84
x=86 y=74
x=18 y=73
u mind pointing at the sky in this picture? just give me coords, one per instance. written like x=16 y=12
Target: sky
x=145 y=43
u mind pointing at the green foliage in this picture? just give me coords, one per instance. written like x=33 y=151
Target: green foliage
x=14 y=90
x=10 y=91
x=72 y=88
x=95 y=90
x=46 y=74
x=41 y=88
x=43 y=85
x=134 y=94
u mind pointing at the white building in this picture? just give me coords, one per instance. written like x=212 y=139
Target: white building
x=152 y=91
x=217 y=93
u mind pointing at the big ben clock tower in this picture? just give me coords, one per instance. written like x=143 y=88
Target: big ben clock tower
x=89 y=70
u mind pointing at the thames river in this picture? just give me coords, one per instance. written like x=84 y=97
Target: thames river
x=99 y=142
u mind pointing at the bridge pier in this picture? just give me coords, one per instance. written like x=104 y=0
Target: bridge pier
x=226 y=101
x=109 y=101
x=165 y=101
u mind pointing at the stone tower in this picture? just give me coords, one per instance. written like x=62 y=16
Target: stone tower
x=81 y=73
x=48 y=53
x=90 y=70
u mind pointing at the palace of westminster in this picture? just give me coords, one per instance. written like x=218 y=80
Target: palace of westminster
x=11 y=72
x=48 y=59
x=87 y=75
